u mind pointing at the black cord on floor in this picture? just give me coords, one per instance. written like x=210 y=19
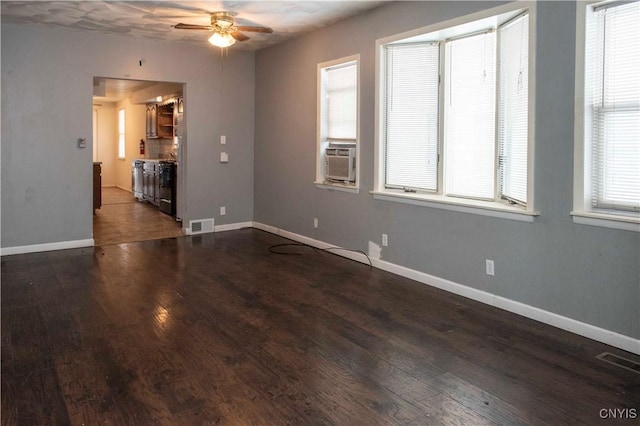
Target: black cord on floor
x=273 y=249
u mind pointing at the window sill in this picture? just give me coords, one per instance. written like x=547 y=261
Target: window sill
x=625 y=223
x=337 y=187
x=484 y=208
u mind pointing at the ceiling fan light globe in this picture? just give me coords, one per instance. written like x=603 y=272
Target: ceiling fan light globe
x=221 y=40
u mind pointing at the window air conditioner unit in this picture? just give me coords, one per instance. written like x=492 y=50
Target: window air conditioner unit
x=340 y=164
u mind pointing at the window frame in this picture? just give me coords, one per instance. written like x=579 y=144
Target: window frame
x=582 y=212
x=467 y=24
x=322 y=117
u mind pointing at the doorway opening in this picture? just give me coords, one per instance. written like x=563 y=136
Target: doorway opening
x=139 y=140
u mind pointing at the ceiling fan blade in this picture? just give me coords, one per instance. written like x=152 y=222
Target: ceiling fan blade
x=180 y=5
x=254 y=29
x=193 y=27
x=239 y=36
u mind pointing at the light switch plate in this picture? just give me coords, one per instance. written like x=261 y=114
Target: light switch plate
x=224 y=157
x=223 y=139
x=82 y=143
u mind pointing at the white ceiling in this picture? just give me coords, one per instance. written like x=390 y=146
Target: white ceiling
x=114 y=90
x=154 y=19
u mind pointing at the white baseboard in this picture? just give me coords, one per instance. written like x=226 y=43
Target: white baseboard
x=608 y=337
x=34 y=248
x=358 y=257
x=232 y=226
x=565 y=323
x=221 y=228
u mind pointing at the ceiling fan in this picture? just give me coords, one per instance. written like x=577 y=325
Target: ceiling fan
x=225 y=31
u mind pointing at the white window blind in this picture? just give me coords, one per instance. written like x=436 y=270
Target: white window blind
x=513 y=110
x=470 y=78
x=342 y=84
x=456 y=113
x=613 y=93
x=411 y=116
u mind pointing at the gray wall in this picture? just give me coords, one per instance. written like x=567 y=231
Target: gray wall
x=47 y=83
x=582 y=272
x=586 y=273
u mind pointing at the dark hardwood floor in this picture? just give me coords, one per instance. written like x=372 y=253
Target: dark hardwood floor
x=216 y=329
x=122 y=219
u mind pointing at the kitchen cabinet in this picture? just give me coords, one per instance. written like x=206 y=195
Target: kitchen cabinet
x=137 y=174
x=150 y=183
x=159 y=121
x=154 y=181
x=152 y=121
x=165 y=121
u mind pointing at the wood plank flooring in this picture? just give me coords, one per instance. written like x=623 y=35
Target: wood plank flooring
x=122 y=219
x=216 y=329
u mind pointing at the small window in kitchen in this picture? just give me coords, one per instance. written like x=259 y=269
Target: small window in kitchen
x=95 y=134
x=121 y=138
x=338 y=102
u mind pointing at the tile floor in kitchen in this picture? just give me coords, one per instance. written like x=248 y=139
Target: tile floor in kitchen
x=122 y=219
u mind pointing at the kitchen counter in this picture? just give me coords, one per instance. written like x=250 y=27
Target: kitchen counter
x=155 y=160
x=154 y=180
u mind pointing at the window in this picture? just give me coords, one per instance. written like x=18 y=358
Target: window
x=411 y=114
x=95 y=134
x=607 y=181
x=121 y=135
x=470 y=116
x=338 y=123
x=513 y=110
x=454 y=115
x=341 y=91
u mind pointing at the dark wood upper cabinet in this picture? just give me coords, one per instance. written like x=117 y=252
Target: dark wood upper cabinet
x=160 y=121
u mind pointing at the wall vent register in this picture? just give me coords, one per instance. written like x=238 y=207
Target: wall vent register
x=200 y=226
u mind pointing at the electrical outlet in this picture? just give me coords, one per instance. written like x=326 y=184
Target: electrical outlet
x=315 y=222
x=385 y=240
x=223 y=211
x=489 y=267
x=223 y=139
